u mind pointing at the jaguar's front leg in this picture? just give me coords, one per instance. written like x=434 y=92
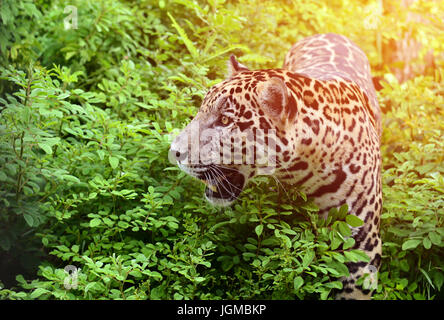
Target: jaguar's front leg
x=368 y=240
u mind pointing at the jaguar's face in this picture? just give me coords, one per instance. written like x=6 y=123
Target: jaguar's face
x=226 y=144
x=208 y=149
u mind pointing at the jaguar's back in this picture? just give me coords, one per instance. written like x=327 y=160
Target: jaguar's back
x=338 y=67
x=333 y=56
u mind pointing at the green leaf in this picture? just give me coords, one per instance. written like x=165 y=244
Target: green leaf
x=199 y=279
x=418 y=296
x=343 y=210
x=287 y=241
x=333 y=213
x=354 y=221
x=426 y=275
x=136 y=273
x=63 y=248
x=20 y=279
x=38 y=292
x=339 y=268
x=190 y=46
x=108 y=221
x=356 y=255
x=259 y=228
x=335 y=243
x=157 y=293
x=218 y=225
x=114 y=162
x=29 y=219
x=70 y=178
x=223 y=51
x=48 y=144
x=95 y=222
x=308 y=258
x=435 y=238
x=438 y=279
x=227 y=264
x=101 y=154
x=344 y=229
x=286 y=206
x=411 y=244
x=89 y=286
x=123 y=224
x=350 y=242
x=3 y=176
x=404 y=265
x=47 y=148
x=334 y=285
x=426 y=243
x=248 y=255
x=297 y=283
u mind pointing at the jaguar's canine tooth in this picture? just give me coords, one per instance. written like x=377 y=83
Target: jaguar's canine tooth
x=211 y=186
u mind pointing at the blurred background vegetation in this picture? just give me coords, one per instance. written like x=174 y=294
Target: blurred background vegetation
x=86 y=119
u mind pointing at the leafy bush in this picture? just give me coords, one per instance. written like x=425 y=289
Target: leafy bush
x=87 y=116
x=413 y=187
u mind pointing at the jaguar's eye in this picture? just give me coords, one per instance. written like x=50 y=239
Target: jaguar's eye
x=224 y=120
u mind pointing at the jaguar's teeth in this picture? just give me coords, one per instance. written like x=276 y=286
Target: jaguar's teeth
x=211 y=186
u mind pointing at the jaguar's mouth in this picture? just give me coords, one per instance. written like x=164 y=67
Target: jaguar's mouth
x=223 y=184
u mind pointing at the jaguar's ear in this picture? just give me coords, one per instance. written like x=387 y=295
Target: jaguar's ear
x=234 y=66
x=273 y=96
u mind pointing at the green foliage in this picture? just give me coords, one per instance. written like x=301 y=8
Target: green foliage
x=87 y=117
x=16 y=19
x=413 y=216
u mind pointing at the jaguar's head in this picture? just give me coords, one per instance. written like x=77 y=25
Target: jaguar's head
x=233 y=136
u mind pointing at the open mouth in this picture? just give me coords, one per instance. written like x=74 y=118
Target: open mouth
x=223 y=185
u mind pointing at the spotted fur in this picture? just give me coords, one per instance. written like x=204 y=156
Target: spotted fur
x=324 y=110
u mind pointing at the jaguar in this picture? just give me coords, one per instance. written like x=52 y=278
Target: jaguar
x=321 y=115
